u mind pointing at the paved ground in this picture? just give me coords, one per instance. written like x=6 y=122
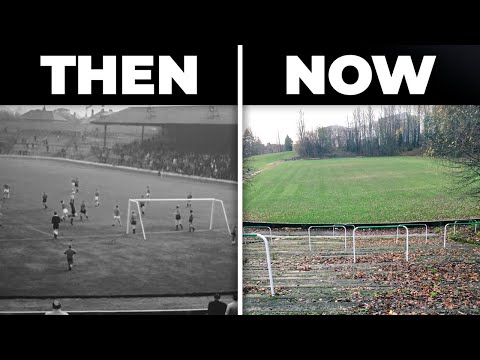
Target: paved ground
x=326 y=281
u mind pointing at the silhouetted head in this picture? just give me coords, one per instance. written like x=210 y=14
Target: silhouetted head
x=216 y=296
x=56 y=305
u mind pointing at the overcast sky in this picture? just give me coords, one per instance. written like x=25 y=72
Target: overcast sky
x=266 y=121
x=79 y=109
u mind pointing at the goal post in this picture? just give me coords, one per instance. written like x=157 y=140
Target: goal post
x=136 y=204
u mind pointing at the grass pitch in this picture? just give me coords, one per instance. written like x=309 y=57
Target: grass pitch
x=109 y=262
x=355 y=190
x=258 y=162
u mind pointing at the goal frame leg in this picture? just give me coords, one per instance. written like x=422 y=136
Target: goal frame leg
x=128 y=217
x=141 y=221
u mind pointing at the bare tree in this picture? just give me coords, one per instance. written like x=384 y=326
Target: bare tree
x=301 y=134
x=453 y=134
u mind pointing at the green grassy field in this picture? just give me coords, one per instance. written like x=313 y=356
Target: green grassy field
x=355 y=190
x=258 y=162
x=109 y=262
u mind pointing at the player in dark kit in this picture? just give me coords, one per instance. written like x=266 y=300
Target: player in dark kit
x=77 y=185
x=74 y=212
x=190 y=222
x=56 y=224
x=178 y=219
x=142 y=205
x=234 y=235
x=83 y=211
x=133 y=222
x=44 y=200
x=70 y=252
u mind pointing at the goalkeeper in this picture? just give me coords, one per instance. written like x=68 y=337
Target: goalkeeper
x=133 y=221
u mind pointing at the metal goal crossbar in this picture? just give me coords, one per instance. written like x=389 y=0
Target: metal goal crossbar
x=136 y=202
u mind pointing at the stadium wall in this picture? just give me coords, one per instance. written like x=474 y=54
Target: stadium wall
x=90 y=163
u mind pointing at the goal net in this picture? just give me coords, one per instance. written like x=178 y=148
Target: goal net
x=160 y=215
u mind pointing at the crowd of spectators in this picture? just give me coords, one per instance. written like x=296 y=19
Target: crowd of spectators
x=154 y=155
x=150 y=154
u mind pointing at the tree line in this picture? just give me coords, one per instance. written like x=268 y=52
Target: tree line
x=447 y=132
x=252 y=145
x=394 y=130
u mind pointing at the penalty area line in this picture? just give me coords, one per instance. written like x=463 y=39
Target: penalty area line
x=40 y=231
x=100 y=236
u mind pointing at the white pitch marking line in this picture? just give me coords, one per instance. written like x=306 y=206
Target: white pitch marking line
x=40 y=231
x=96 y=236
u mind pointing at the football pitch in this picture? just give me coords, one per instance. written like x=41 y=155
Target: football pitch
x=110 y=263
x=355 y=190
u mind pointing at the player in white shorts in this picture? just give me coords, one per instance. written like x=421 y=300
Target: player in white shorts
x=64 y=210
x=116 y=216
x=97 y=194
x=6 y=191
x=148 y=192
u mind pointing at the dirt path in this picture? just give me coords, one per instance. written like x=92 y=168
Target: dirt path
x=267 y=166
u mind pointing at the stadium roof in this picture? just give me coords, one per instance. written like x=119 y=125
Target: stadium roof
x=172 y=115
x=44 y=115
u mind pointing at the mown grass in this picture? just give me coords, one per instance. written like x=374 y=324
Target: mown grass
x=258 y=162
x=355 y=190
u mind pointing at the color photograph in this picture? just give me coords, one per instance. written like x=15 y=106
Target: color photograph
x=361 y=209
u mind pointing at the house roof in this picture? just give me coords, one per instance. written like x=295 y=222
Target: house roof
x=172 y=115
x=43 y=115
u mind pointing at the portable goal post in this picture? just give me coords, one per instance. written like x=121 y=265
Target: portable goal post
x=134 y=204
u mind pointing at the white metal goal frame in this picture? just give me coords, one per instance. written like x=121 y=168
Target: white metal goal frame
x=137 y=202
x=269 y=262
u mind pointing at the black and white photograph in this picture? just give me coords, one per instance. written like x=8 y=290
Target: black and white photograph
x=111 y=209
